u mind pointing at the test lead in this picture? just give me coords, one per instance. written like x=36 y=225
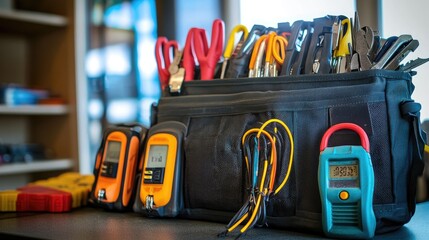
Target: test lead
x=263 y=149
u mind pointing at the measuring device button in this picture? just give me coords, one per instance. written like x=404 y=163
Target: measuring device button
x=148 y=172
x=344 y=195
x=158 y=175
x=148 y=177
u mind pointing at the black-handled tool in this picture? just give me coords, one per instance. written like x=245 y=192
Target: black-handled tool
x=239 y=62
x=403 y=39
x=401 y=54
x=299 y=34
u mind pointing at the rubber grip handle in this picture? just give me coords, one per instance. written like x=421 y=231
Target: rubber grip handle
x=349 y=126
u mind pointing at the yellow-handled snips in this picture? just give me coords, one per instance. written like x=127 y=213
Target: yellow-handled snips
x=229 y=49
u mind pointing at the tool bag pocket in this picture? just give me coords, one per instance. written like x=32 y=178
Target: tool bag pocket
x=217 y=114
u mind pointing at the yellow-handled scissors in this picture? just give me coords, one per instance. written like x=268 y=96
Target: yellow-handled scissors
x=275 y=54
x=229 y=49
x=256 y=58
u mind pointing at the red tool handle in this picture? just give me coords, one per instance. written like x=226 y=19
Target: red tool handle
x=163 y=48
x=189 y=57
x=350 y=126
x=208 y=57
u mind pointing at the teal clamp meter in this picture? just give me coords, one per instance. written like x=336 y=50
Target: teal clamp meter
x=346 y=184
x=159 y=193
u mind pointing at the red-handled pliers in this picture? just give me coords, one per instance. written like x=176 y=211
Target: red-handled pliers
x=197 y=48
x=164 y=50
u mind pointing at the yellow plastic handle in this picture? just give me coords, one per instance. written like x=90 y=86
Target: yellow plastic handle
x=230 y=45
x=345 y=39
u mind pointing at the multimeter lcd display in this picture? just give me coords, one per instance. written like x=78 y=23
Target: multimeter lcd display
x=343 y=171
x=113 y=151
x=344 y=174
x=157 y=156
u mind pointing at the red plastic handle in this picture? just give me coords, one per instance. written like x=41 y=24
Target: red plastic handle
x=209 y=56
x=350 y=126
x=189 y=57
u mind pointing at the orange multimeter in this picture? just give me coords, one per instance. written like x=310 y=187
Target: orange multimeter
x=116 y=166
x=159 y=192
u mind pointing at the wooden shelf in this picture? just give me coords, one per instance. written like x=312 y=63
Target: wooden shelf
x=36 y=166
x=34 y=110
x=27 y=22
x=37 y=40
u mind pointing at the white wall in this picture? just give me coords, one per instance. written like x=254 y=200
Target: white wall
x=411 y=17
x=398 y=17
x=271 y=12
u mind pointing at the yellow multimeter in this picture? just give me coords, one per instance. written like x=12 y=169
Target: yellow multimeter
x=159 y=192
x=116 y=166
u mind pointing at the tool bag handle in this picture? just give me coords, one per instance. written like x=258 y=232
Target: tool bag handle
x=342 y=126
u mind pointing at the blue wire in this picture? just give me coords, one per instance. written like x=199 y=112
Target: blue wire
x=255 y=163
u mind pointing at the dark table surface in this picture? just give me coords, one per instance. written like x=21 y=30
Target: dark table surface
x=90 y=223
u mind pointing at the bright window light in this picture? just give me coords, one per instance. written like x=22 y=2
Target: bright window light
x=93 y=63
x=413 y=21
x=271 y=12
x=119 y=16
x=118 y=59
x=122 y=110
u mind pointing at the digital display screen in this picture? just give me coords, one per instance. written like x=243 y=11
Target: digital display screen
x=113 y=151
x=344 y=174
x=157 y=156
x=343 y=171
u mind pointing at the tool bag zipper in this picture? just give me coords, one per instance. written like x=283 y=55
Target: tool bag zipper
x=239 y=85
x=240 y=96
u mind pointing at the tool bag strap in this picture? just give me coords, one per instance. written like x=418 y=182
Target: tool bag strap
x=410 y=110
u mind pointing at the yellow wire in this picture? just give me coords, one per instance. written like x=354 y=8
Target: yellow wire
x=264 y=173
x=275 y=131
x=273 y=157
x=291 y=149
x=258 y=202
x=238 y=223
x=253 y=130
x=242 y=143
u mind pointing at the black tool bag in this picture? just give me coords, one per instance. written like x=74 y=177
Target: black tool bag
x=218 y=112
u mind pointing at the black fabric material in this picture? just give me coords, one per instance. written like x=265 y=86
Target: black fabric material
x=218 y=113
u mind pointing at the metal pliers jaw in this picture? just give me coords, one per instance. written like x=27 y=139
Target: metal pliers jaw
x=177 y=74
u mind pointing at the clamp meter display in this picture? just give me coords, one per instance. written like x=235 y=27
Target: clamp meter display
x=346 y=184
x=116 y=166
x=160 y=191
